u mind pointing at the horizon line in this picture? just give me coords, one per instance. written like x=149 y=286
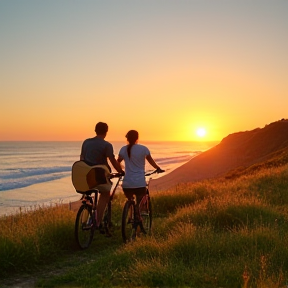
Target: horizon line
x=200 y=141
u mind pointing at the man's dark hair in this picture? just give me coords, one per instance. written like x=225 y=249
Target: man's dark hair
x=101 y=128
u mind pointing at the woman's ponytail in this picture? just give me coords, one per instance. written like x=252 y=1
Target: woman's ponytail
x=132 y=137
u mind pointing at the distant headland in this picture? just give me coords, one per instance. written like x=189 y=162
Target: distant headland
x=235 y=155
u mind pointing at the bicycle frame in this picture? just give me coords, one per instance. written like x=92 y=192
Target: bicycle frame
x=85 y=223
x=137 y=221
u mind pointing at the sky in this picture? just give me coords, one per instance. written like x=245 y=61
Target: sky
x=165 y=68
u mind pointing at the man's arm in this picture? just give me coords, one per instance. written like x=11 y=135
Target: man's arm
x=120 y=159
x=116 y=165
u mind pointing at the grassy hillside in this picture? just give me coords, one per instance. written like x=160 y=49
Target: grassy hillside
x=237 y=151
x=218 y=233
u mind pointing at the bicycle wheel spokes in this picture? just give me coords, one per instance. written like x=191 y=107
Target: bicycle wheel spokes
x=84 y=226
x=128 y=221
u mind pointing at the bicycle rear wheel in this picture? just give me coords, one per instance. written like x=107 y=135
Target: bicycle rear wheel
x=84 y=226
x=128 y=221
x=146 y=215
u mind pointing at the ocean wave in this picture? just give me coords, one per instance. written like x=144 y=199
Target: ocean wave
x=175 y=160
x=23 y=177
x=28 y=172
x=16 y=183
x=14 y=178
x=184 y=151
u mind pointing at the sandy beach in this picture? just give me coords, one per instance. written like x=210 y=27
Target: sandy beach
x=51 y=192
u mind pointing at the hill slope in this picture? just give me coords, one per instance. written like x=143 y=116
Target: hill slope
x=240 y=151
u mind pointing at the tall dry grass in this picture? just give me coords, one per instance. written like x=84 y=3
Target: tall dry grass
x=34 y=236
x=236 y=235
x=217 y=233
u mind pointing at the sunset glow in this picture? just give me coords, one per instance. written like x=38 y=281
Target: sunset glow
x=211 y=64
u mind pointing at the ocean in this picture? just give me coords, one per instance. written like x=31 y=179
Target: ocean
x=26 y=164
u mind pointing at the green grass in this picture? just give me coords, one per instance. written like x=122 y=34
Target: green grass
x=217 y=233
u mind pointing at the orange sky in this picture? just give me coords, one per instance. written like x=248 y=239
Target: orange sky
x=164 y=68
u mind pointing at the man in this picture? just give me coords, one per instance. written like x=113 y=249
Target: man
x=96 y=151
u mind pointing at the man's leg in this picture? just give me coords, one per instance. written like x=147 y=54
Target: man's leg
x=102 y=202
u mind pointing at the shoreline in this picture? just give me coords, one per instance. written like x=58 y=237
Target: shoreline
x=58 y=191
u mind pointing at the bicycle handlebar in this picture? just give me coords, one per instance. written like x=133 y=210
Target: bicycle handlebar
x=119 y=175
x=155 y=171
x=116 y=175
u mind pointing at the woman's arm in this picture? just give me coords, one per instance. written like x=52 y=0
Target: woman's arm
x=152 y=162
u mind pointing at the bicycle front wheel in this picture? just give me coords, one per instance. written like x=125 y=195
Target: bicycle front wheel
x=84 y=226
x=128 y=230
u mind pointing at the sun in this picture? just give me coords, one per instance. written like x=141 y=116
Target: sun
x=201 y=132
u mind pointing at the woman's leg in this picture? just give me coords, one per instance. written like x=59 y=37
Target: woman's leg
x=138 y=192
x=129 y=193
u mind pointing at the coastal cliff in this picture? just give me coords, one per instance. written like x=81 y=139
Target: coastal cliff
x=236 y=154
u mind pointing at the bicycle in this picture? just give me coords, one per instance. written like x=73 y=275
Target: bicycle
x=85 y=223
x=136 y=222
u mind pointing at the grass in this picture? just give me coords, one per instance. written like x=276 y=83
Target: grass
x=31 y=238
x=217 y=233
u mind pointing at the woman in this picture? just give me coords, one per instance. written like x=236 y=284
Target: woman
x=134 y=156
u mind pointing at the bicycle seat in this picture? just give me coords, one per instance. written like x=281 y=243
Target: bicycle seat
x=87 y=178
